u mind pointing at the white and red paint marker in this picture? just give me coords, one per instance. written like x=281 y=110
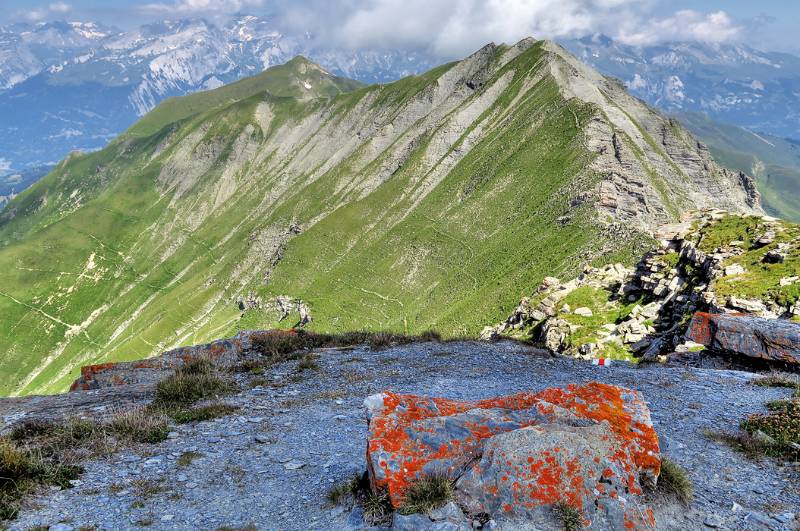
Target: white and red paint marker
x=602 y=362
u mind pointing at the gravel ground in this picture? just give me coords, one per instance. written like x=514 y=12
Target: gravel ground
x=271 y=464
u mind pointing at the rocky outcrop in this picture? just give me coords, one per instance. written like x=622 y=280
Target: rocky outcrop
x=517 y=457
x=224 y=353
x=643 y=311
x=766 y=339
x=272 y=462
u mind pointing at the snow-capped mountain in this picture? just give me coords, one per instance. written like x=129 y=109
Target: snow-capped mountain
x=67 y=86
x=730 y=82
x=26 y=50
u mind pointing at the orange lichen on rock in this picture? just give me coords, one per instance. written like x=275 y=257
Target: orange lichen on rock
x=534 y=449
x=225 y=352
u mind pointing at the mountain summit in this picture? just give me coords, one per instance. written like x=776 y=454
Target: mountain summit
x=432 y=202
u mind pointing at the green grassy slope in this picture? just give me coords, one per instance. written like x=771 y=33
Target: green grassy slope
x=433 y=202
x=299 y=78
x=774 y=162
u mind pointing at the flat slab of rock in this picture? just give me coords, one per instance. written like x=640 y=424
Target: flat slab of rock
x=224 y=352
x=516 y=457
x=768 y=339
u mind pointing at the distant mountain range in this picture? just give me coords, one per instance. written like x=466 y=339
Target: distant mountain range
x=74 y=86
x=69 y=86
x=732 y=83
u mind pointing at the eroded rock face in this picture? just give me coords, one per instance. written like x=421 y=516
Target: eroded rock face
x=767 y=339
x=516 y=457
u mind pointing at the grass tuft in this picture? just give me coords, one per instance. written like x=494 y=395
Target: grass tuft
x=341 y=492
x=30 y=429
x=141 y=425
x=569 y=516
x=779 y=379
x=674 y=481
x=196 y=380
x=21 y=470
x=280 y=345
x=427 y=493
x=377 y=507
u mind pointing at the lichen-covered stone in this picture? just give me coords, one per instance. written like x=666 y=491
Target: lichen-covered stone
x=522 y=473
x=224 y=352
x=768 y=339
x=517 y=456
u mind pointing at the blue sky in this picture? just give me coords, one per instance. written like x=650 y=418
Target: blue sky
x=448 y=27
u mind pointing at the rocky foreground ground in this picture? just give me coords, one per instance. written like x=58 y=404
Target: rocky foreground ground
x=271 y=464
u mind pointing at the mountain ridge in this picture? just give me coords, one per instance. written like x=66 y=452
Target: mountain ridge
x=434 y=201
x=133 y=71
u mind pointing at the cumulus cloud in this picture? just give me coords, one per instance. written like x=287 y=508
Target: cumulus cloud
x=184 y=7
x=685 y=25
x=5 y=165
x=55 y=9
x=451 y=28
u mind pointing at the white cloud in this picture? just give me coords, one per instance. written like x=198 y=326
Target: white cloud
x=182 y=7
x=685 y=25
x=48 y=11
x=452 y=28
x=5 y=165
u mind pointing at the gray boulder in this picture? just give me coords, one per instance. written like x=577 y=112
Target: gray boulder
x=767 y=339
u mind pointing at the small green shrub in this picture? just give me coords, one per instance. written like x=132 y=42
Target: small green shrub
x=308 y=364
x=674 y=481
x=187 y=458
x=783 y=405
x=569 y=516
x=427 y=493
x=782 y=427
